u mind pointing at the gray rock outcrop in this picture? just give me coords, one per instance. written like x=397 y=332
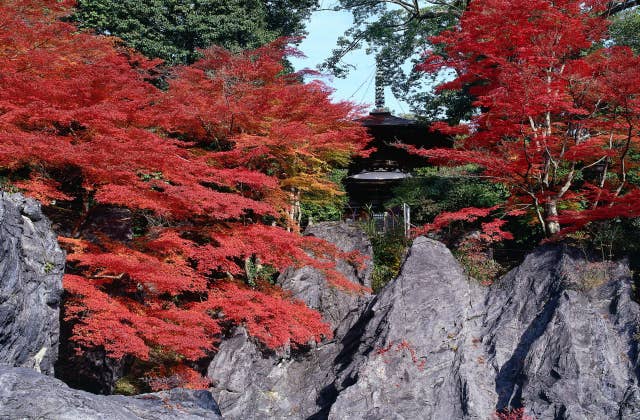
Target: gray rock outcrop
x=31 y=268
x=338 y=307
x=561 y=334
x=250 y=382
x=26 y=394
x=557 y=336
x=417 y=354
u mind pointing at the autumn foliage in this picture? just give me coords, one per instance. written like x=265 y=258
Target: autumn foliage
x=206 y=171
x=558 y=108
x=517 y=414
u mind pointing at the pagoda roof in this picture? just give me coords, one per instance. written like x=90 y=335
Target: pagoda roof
x=384 y=118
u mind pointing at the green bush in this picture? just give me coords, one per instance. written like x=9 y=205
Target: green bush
x=256 y=272
x=319 y=209
x=126 y=386
x=389 y=250
x=433 y=191
x=479 y=264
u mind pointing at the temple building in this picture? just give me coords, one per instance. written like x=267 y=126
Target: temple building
x=371 y=180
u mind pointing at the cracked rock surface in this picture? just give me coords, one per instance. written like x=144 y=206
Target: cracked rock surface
x=561 y=337
x=415 y=351
x=26 y=394
x=341 y=309
x=31 y=268
x=251 y=382
x=556 y=335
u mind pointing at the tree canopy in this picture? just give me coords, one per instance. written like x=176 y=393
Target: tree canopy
x=397 y=32
x=625 y=29
x=559 y=119
x=200 y=171
x=174 y=29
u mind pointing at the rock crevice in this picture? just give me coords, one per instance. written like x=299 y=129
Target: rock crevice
x=555 y=336
x=31 y=268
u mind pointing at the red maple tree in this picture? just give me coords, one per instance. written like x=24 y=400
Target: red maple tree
x=277 y=125
x=201 y=168
x=558 y=108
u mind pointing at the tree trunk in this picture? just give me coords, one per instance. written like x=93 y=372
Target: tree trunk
x=295 y=211
x=550 y=215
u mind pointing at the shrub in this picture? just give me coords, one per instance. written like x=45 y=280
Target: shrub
x=433 y=191
x=389 y=249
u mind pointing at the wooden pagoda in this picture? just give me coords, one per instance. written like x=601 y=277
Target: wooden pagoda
x=371 y=180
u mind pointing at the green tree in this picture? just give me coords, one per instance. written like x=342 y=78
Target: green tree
x=174 y=29
x=397 y=31
x=625 y=29
x=436 y=190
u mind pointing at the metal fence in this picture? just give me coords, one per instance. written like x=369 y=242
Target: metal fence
x=396 y=219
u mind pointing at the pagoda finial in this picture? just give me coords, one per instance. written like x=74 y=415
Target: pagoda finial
x=379 y=87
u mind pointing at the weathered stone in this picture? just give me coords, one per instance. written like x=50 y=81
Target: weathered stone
x=338 y=307
x=561 y=331
x=415 y=353
x=31 y=268
x=250 y=382
x=555 y=335
x=26 y=394
x=347 y=237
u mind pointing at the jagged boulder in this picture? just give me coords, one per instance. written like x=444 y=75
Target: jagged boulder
x=26 y=394
x=561 y=332
x=249 y=382
x=555 y=335
x=252 y=382
x=31 y=268
x=414 y=353
x=338 y=307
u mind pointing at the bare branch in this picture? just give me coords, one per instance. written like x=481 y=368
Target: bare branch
x=620 y=6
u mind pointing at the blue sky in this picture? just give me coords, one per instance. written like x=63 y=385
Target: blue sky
x=324 y=29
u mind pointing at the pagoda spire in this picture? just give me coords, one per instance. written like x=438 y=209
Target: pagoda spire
x=380 y=106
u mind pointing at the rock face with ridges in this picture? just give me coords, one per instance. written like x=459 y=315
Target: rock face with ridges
x=415 y=352
x=31 y=268
x=25 y=393
x=338 y=307
x=561 y=334
x=250 y=382
x=555 y=335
